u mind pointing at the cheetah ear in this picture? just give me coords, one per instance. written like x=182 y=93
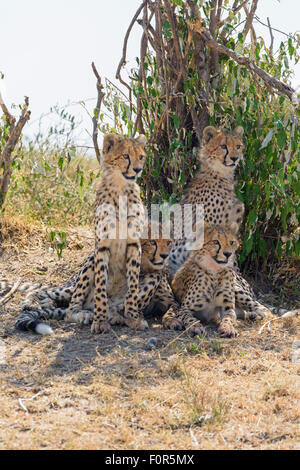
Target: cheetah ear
x=208 y=232
x=208 y=133
x=234 y=227
x=239 y=131
x=141 y=139
x=109 y=142
x=199 y=231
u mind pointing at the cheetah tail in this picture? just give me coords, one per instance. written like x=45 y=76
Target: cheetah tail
x=32 y=320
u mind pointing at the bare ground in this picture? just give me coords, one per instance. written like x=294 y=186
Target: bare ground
x=75 y=390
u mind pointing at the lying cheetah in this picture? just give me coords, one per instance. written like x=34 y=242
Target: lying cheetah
x=207 y=284
x=56 y=302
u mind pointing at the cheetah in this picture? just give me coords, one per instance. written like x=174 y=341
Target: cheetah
x=213 y=187
x=117 y=242
x=56 y=302
x=207 y=285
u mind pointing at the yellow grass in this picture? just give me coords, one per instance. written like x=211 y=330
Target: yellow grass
x=109 y=392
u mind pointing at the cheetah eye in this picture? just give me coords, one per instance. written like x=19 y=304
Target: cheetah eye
x=169 y=242
x=238 y=146
x=215 y=242
x=232 y=243
x=224 y=146
x=142 y=156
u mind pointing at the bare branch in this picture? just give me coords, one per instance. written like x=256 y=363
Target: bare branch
x=252 y=30
x=250 y=18
x=9 y=118
x=272 y=82
x=123 y=59
x=235 y=9
x=6 y=157
x=96 y=115
x=272 y=37
x=214 y=56
x=271 y=28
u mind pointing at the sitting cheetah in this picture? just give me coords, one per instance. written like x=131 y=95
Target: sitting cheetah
x=213 y=186
x=207 y=284
x=56 y=302
x=117 y=242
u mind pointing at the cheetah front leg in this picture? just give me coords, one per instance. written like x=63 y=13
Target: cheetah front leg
x=225 y=298
x=133 y=318
x=244 y=299
x=147 y=289
x=171 y=320
x=193 y=303
x=100 y=320
x=164 y=296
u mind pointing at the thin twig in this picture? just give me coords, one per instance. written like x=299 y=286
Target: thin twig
x=96 y=115
x=272 y=37
x=21 y=400
x=10 y=294
x=291 y=313
x=123 y=58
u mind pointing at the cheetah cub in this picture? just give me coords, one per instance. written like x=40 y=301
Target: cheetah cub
x=213 y=186
x=118 y=211
x=205 y=285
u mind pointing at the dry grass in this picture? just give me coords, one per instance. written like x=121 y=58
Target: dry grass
x=109 y=392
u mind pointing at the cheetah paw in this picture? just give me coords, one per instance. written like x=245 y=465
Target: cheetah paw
x=173 y=324
x=139 y=324
x=226 y=329
x=100 y=327
x=197 y=330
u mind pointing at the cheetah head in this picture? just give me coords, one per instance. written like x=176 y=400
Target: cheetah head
x=124 y=155
x=155 y=254
x=220 y=245
x=222 y=150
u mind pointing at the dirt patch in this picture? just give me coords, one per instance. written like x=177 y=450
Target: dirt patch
x=75 y=390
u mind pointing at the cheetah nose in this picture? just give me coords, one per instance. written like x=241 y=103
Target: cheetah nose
x=227 y=254
x=163 y=256
x=137 y=170
x=234 y=159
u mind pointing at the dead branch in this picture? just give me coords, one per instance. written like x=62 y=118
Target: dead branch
x=235 y=10
x=6 y=156
x=272 y=82
x=272 y=37
x=271 y=28
x=214 y=56
x=250 y=17
x=10 y=294
x=252 y=30
x=96 y=115
x=124 y=55
x=9 y=118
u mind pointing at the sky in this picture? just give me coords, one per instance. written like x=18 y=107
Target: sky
x=46 y=49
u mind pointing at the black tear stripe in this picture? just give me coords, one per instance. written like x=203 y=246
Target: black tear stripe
x=102 y=249
x=128 y=165
x=227 y=152
x=133 y=244
x=153 y=257
x=219 y=245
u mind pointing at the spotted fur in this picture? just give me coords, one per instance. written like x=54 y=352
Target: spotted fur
x=56 y=302
x=207 y=285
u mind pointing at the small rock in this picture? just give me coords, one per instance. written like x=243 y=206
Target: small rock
x=151 y=343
